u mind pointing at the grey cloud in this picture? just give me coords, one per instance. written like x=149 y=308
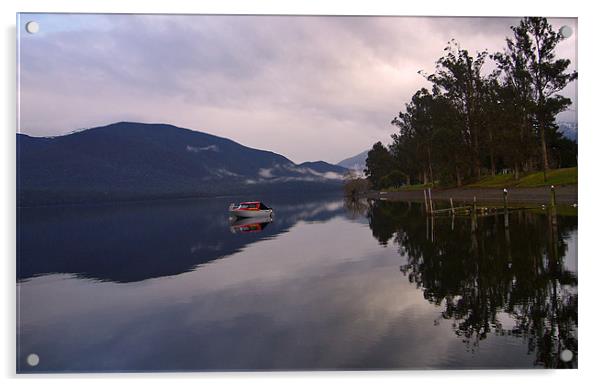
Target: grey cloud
x=309 y=88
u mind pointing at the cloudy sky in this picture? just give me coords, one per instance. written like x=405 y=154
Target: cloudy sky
x=309 y=88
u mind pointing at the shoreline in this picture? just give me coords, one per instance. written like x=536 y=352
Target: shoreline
x=159 y=199
x=537 y=195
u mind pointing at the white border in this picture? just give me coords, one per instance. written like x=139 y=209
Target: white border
x=589 y=163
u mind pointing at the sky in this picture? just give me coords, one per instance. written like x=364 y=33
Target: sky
x=307 y=87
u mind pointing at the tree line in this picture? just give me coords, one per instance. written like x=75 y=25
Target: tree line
x=470 y=124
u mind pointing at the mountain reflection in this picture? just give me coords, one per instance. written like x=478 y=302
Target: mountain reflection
x=130 y=242
x=504 y=281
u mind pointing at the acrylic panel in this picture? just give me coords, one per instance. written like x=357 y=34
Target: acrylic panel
x=233 y=193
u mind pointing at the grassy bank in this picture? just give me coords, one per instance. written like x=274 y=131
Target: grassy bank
x=413 y=187
x=557 y=177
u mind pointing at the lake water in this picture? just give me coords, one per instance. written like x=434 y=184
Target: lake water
x=328 y=284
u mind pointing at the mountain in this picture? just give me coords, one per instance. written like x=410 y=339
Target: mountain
x=324 y=168
x=127 y=160
x=568 y=129
x=357 y=162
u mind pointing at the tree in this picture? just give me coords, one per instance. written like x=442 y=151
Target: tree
x=404 y=151
x=416 y=135
x=355 y=185
x=395 y=178
x=378 y=164
x=452 y=155
x=530 y=66
x=563 y=152
x=458 y=78
x=433 y=143
x=469 y=121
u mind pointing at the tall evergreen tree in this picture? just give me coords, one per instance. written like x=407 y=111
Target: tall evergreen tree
x=458 y=78
x=379 y=164
x=530 y=65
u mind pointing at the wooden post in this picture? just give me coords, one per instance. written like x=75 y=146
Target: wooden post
x=473 y=216
x=430 y=201
x=426 y=204
x=508 y=247
x=506 y=218
x=453 y=211
x=553 y=205
x=432 y=228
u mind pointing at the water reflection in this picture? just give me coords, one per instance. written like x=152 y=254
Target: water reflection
x=249 y=225
x=490 y=279
x=166 y=286
x=132 y=242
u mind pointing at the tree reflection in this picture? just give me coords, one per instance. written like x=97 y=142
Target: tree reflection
x=356 y=207
x=478 y=277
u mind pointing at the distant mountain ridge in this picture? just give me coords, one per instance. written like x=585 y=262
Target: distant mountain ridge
x=356 y=163
x=568 y=129
x=128 y=160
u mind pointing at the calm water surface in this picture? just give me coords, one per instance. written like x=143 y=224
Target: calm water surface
x=328 y=284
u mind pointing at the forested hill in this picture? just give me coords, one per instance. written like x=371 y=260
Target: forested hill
x=128 y=161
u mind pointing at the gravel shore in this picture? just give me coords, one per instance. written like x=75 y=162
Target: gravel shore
x=538 y=195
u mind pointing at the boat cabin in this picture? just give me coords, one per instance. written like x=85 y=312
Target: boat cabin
x=253 y=206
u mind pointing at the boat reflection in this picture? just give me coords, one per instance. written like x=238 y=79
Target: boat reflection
x=249 y=225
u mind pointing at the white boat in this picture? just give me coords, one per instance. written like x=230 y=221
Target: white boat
x=250 y=210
